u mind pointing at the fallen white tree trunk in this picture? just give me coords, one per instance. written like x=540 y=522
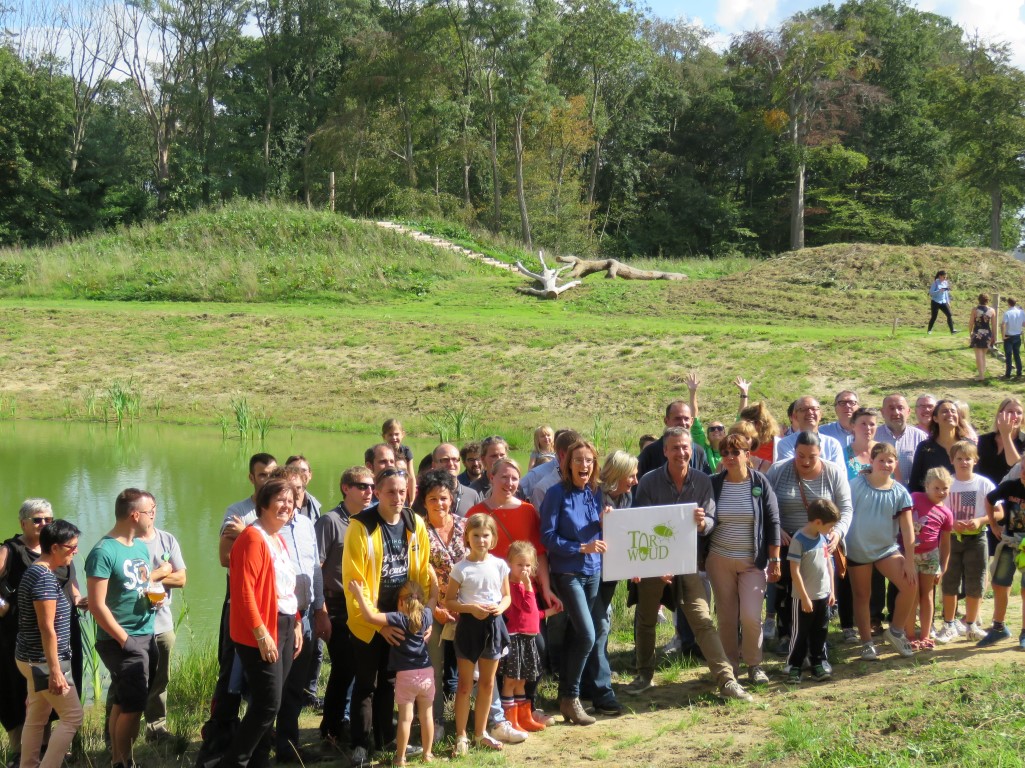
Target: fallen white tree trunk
x=612 y=268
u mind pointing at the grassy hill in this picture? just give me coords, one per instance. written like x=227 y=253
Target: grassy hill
x=241 y=252
x=331 y=323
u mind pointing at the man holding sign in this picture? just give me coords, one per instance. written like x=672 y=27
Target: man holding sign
x=672 y=484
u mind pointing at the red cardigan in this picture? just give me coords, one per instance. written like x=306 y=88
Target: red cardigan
x=254 y=599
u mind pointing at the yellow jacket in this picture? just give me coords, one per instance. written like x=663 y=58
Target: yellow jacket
x=362 y=558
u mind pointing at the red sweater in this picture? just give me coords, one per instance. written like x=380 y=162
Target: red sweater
x=522 y=616
x=254 y=599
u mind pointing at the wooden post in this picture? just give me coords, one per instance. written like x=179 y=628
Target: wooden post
x=332 y=195
x=893 y=331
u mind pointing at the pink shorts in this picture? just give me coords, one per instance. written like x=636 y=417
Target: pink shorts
x=414 y=685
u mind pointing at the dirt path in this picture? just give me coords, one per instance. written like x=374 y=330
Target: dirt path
x=683 y=723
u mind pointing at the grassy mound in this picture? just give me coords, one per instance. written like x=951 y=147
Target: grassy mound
x=859 y=284
x=858 y=266
x=240 y=252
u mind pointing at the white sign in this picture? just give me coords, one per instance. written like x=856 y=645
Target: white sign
x=650 y=541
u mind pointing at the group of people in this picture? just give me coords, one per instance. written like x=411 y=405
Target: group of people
x=467 y=573
x=982 y=326
x=130 y=573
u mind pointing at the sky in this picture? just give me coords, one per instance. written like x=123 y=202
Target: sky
x=993 y=20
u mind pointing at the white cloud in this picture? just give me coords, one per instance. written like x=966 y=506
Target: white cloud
x=737 y=15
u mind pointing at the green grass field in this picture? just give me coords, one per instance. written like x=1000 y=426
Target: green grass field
x=336 y=324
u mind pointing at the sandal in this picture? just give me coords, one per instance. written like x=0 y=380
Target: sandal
x=487 y=741
x=462 y=747
x=916 y=645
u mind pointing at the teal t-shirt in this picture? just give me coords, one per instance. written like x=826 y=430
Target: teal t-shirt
x=126 y=569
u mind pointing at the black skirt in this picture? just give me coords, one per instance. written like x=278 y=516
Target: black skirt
x=481 y=638
x=523 y=662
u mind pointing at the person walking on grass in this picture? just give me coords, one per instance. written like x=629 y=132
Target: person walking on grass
x=811 y=572
x=982 y=321
x=1010 y=331
x=118 y=574
x=939 y=295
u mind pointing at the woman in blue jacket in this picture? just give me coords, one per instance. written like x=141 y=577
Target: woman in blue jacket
x=571 y=532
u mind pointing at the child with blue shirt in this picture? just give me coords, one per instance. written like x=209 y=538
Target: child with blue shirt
x=811 y=570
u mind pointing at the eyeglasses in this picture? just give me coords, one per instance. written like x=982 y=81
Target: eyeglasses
x=363 y=486
x=717 y=428
x=71 y=548
x=850 y=403
x=815 y=408
x=41 y=520
x=731 y=452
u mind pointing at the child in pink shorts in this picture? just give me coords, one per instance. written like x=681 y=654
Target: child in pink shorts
x=932 y=524
x=414 y=676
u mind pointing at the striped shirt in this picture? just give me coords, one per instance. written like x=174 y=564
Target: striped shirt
x=39 y=584
x=734 y=535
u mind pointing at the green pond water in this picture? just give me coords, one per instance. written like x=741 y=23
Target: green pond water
x=193 y=472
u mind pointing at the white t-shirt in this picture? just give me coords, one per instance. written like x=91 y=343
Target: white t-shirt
x=967 y=499
x=480 y=582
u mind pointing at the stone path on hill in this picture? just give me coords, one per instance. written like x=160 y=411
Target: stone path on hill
x=440 y=242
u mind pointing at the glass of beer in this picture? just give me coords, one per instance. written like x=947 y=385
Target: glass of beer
x=155 y=593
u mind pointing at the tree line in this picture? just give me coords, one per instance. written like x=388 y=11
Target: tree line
x=585 y=126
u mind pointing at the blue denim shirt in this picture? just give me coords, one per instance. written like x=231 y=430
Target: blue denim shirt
x=570 y=518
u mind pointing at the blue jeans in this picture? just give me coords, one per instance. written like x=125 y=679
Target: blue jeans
x=585 y=614
x=597 y=685
x=1012 y=348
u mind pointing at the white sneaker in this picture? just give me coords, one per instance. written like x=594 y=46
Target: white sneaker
x=504 y=731
x=850 y=636
x=961 y=628
x=947 y=633
x=757 y=676
x=734 y=690
x=899 y=644
x=673 y=646
x=769 y=630
x=869 y=652
x=974 y=632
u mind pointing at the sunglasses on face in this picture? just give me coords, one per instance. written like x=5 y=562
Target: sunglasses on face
x=364 y=486
x=732 y=452
x=41 y=520
x=716 y=428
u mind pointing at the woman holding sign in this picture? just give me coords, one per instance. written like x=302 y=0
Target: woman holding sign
x=571 y=532
x=743 y=553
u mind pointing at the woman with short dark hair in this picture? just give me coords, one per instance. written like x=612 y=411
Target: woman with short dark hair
x=743 y=553
x=265 y=622
x=43 y=653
